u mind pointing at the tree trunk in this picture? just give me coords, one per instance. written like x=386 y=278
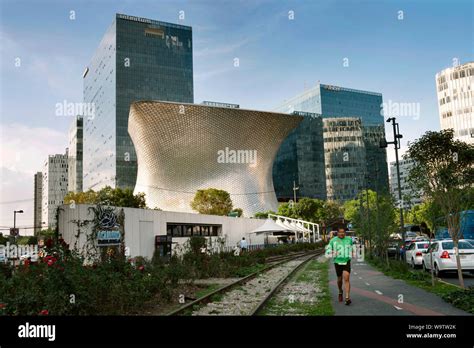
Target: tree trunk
x=458 y=263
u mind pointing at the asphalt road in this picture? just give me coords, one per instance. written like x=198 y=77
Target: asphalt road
x=373 y=293
x=453 y=278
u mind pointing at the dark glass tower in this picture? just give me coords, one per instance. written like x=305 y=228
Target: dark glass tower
x=137 y=59
x=300 y=159
x=332 y=102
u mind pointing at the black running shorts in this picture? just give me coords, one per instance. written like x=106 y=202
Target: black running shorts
x=341 y=268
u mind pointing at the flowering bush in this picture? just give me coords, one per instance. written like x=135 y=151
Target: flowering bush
x=62 y=284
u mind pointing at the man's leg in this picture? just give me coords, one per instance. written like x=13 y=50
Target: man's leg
x=347 y=285
x=339 y=281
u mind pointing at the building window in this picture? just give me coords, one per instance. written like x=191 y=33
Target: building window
x=191 y=230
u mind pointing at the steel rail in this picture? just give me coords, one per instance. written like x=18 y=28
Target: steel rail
x=207 y=298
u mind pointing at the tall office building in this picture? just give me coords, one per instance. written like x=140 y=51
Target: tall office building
x=38 y=196
x=55 y=175
x=75 y=155
x=338 y=102
x=137 y=59
x=455 y=88
x=344 y=157
x=410 y=197
x=300 y=160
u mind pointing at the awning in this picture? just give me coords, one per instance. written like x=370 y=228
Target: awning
x=270 y=226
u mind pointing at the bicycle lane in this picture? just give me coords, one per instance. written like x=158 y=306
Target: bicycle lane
x=374 y=293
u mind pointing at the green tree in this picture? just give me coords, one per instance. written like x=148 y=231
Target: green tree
x=287 y=209
x=116 y=197
x=3 y=239
x=308 y=209
x=263 y=215
x=239 y=211
x=444 y=172
x=212 y=201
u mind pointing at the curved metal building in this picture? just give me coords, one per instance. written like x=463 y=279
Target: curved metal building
x=182 y=148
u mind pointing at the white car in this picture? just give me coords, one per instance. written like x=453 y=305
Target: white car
x=444 y=259
x=414 y=253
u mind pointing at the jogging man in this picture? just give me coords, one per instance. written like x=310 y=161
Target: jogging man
x=340 y=248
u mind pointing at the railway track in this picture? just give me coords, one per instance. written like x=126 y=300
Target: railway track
x=248 y=295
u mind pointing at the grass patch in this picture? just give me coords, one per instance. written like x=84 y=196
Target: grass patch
x=245 y=271
x=207 y=290
x=314 y=272
x=462 y=299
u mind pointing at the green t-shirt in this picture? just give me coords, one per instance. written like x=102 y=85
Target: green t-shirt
x=340 y=249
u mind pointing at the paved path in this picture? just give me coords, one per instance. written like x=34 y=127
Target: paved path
x=373 y=293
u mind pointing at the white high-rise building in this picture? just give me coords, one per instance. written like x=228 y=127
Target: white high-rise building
x=455 y=88
x=410 y=197
x=55 y=178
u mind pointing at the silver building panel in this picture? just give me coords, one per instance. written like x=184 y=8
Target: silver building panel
x=182 y=148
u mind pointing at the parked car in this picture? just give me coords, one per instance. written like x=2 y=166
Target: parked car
x=470 y=241
x=422 y=238
x=444 y=259
x=392 y=249
x=410 y=236
x=414 y=253
x=3 y=259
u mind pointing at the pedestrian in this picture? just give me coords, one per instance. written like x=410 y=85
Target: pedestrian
x=340 y=248
x=243 y=244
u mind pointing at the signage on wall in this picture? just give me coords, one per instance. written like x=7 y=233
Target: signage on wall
x=107 y=226
x=108 y=238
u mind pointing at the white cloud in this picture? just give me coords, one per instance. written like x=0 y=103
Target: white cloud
x=24 y=149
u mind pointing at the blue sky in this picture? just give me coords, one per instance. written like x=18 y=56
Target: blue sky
x=278 y=59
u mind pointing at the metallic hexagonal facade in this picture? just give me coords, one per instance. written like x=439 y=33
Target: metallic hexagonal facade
x=182 y=148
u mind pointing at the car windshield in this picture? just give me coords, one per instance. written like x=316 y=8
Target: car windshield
x=422 y=245
x=461 y=245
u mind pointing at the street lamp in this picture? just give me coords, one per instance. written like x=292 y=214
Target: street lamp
x=14 y=219
x=396 y=143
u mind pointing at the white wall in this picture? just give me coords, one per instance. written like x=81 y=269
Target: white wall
x=142 y=225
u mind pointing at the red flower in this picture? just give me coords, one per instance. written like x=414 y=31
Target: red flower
x=44 y=312
x=49 y=243
x=2 y=305
x=50 y=260
x=27 y=262
x=141 y=268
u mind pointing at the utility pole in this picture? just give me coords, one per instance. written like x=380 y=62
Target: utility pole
x=396 y=142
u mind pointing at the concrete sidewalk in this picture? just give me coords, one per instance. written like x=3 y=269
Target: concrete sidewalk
x=373 y=293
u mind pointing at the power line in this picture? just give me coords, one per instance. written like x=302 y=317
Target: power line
x=18 y=201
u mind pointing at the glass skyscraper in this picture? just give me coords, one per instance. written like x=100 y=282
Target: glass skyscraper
x=137 y=59
x=300 y=159
x=334 y=102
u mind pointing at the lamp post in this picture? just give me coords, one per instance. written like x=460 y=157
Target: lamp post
x=14 y=220
x=396 y=143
